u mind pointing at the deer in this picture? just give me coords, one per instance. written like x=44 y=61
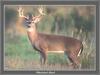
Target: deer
x=45 y=43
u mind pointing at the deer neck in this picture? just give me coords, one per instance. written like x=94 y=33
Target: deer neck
x=32 y=33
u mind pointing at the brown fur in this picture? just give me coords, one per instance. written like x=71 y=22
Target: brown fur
x=45 y=42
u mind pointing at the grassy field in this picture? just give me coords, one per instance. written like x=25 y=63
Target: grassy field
x=19 y=55
x=19 y=51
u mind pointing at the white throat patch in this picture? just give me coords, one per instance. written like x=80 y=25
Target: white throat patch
x=30 y=29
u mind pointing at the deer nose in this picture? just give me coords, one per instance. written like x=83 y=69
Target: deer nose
x=29 y=22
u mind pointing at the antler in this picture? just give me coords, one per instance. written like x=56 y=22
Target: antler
x=38 y=18
x=41 y=11
x=21 y=12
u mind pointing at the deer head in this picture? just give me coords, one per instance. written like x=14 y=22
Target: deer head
x=31 y=20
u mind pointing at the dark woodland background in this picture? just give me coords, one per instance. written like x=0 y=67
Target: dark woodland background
x=74 y=21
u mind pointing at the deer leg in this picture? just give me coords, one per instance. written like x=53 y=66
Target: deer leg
x=43 y=58
x=69 y=61
x=74 y=60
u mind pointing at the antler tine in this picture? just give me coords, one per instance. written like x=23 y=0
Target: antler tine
x=21 y=12
x=41 y=11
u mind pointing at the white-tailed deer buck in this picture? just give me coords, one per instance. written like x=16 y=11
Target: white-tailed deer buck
x=45 y=43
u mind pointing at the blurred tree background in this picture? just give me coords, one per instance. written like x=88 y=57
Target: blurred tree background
x=74 y=21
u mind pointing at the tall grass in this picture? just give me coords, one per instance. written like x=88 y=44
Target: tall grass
x=19 y=47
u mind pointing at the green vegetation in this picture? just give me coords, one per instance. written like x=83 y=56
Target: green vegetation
x=22 y=48
x=19 y=47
